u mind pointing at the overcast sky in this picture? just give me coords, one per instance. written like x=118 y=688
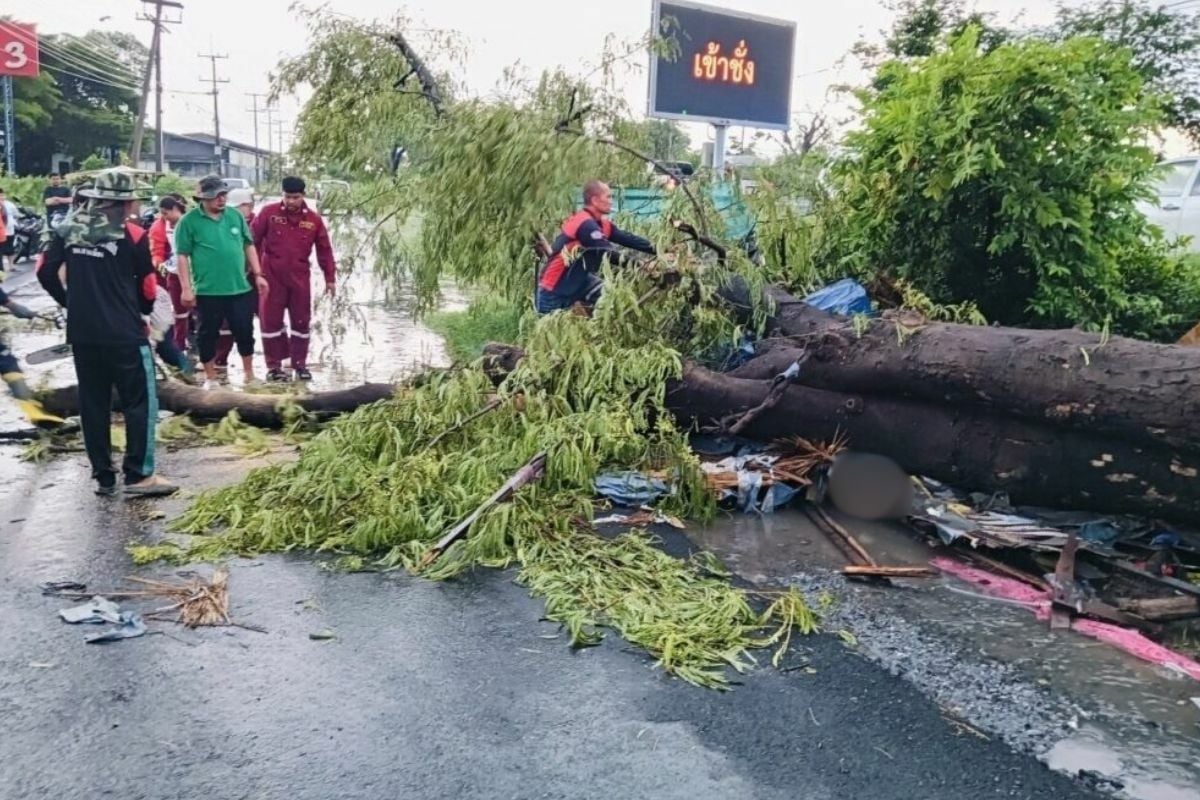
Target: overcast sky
x=538 y=33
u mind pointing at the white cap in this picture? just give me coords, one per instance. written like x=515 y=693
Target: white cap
x=240 y=197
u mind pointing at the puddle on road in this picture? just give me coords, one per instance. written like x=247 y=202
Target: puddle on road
x=1146 y=725
x=1162 y=774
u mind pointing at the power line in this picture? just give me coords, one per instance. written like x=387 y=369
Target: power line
x=62 y=52
x=89 y=79
x=89 y=71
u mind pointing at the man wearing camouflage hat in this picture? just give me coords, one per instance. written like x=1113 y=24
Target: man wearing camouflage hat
x=112 y=283
x=214 y=248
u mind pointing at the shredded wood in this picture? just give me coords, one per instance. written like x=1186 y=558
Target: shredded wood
x=196 y=602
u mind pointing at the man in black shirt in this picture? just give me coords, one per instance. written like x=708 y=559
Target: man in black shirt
x=56 y=198
x=112 y=283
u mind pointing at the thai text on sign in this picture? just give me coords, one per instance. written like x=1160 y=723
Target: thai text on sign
x=711 y=65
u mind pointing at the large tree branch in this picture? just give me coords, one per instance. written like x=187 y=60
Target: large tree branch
x=429 y=87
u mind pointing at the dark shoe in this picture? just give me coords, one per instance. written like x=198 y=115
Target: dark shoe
x=277 y=376
x=106 y=487
x=303 y=374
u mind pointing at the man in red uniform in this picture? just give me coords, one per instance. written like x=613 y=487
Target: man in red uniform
x=585 y=240
x=285 y=234
x=162 y=255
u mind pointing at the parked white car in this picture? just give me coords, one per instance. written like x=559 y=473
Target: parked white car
x=1177 y=211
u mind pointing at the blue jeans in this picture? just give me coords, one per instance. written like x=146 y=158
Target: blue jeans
x=548 y=302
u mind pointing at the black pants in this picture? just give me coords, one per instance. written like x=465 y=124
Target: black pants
x=130 y=370
x=236 y=311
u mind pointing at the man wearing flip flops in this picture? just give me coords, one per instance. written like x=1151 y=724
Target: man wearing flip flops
x=112 y=283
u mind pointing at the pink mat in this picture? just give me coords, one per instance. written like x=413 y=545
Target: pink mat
x=1130 y=641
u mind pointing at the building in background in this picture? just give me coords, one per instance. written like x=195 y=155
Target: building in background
x=193 y=155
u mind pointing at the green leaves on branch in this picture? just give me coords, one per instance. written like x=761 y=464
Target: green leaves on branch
x=1008 y=177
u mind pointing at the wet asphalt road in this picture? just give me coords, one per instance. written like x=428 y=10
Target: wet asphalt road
x=430 y=690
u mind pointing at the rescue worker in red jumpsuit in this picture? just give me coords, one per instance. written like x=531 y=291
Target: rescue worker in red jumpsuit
x=285 y=234
x=584 y=241
x=162 y=254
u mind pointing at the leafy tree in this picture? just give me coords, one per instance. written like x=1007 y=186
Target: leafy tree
x=1008 y=177
x=664 y=140
x=921 y=26
x=1164 y=41
x=483 y=175
x=83 y=100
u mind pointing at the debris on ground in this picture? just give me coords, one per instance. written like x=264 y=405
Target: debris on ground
x=102 y=611
x=96 y=611
x=758 y=481
x=193 y=602
x=129 y=626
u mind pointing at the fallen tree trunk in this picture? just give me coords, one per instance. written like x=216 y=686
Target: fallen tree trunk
x=1144 y=392
x=1036 y=464
x=260 y=410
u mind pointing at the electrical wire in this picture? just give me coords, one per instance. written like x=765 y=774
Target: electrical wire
x=85 y=70
x=91 y=79
x=102 y=69
x=60 y=52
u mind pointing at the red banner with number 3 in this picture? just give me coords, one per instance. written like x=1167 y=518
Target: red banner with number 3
x=18 y=49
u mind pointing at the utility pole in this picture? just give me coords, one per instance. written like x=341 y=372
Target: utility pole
x=212 y=57
x=270 y=149
x=279 y=135
x=154 y=61
x=257 y=158
x=153 y=65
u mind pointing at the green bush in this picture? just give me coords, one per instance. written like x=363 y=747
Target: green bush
x=170 y=183
x=1010 y=177
x=25 y=190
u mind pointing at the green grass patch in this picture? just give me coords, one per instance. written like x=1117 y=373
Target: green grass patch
x=486 y=320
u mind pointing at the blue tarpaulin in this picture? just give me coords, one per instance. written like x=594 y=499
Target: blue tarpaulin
x=845 y=297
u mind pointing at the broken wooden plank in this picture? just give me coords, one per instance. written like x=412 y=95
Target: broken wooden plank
x=845 y=536
x=1005 y=569
x=1174 y=583
x=878 y=571
x=529 y=473
x=1161 y=608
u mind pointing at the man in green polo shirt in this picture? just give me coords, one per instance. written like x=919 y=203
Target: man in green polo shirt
x=214 y=245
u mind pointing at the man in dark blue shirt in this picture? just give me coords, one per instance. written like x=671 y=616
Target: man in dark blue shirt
x=585 y=239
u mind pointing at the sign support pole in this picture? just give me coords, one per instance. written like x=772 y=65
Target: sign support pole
x=10 y=138
x=10 y=132
x=718 y=164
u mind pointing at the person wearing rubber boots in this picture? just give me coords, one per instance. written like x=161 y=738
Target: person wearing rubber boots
x=286 y=233
x=10 y=371
x=243 y=201
x=112 y=284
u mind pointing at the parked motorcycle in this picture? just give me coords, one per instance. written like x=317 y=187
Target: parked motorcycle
x=28 y=234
